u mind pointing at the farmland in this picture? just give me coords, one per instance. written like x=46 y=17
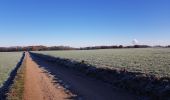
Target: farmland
x=8 y=61
x=73 y=70
x=155 y=61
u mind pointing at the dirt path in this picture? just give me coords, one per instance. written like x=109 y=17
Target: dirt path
x=86 y=88
x=39 y=86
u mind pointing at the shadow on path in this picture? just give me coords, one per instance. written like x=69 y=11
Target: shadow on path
x=85 y=87
x=148 y=86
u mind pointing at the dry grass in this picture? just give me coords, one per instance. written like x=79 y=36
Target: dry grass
x=17 y=89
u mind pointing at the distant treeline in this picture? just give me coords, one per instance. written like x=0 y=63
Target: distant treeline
x=45 y=48
x=114 y=47
x=35 y=48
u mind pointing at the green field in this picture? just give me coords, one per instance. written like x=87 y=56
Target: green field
x=8 y=61
x=155 y=61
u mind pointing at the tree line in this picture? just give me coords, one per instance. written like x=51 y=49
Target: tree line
x=45 y=48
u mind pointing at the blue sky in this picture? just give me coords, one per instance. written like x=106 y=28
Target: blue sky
x=81 y=23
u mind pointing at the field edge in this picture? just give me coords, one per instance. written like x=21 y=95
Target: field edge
x=17 y=89
x=139 y=83
x=4 y=90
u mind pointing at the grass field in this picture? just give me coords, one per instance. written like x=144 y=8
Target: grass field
x=8 y=61
x=154 y=61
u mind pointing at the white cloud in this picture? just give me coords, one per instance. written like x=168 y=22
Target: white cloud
x=135 y=42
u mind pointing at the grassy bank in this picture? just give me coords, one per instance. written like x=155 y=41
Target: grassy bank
x=17 y=89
